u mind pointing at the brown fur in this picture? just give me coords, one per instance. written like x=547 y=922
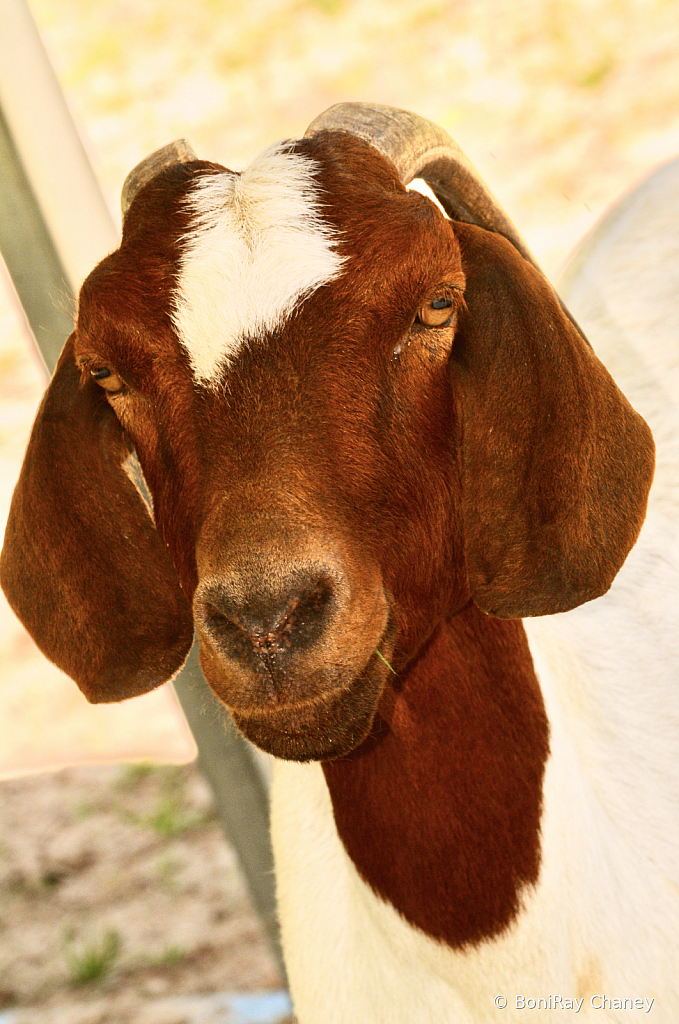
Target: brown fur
x=355 y=487
x=440 y=808
x=547 y=529
x=82 y=564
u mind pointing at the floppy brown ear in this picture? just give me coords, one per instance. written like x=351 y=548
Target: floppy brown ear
x=82 y=564
x=556 y=464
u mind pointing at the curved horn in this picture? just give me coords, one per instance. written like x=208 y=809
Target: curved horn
x=418 y=148
x=178 y=152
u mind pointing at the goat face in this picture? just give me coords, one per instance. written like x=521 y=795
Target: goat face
x=353 y=415
x=308 y=489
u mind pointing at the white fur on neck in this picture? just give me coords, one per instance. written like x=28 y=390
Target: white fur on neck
x=258 y=246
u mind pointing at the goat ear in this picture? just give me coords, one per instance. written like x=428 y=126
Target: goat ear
x=556 y=464
x=82 y=564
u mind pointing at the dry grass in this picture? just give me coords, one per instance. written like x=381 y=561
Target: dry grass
x=562 y=104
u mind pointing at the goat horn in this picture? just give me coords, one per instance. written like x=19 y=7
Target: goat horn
x=418 y=148
x=178 y=152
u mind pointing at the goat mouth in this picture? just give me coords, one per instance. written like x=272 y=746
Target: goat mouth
x=327 y=726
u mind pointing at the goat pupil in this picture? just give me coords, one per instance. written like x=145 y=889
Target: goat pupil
x=100 y=374
x=444 y=303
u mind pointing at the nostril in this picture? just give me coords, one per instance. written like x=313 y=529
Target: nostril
x=218 y=621
x=267 y=623
x=297 y=620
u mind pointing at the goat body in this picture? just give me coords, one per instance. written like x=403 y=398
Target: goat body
x=374 y=441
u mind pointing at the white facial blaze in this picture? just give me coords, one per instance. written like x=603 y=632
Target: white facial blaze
x=258 y=246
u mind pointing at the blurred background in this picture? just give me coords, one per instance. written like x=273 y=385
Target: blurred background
x=562 y=105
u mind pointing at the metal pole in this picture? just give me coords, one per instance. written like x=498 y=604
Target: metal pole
x=30 y=256
x=233 y=769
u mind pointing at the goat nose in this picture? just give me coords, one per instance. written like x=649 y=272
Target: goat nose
x=247 y=627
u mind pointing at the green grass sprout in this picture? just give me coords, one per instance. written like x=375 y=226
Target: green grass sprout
x=382 y=658
x=94 y=960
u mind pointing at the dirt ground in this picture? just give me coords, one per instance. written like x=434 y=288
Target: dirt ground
x=118 y=895
x=117 y=892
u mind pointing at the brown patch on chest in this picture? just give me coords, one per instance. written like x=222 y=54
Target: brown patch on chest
x=439 y=808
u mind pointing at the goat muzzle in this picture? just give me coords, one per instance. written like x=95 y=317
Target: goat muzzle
x=267 y=625
x=290 y=646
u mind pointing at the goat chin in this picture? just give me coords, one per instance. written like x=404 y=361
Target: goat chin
x=335 y=720
x=323 y=729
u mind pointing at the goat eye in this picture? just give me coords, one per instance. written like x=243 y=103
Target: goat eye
x=108 y=379
x=438 y=312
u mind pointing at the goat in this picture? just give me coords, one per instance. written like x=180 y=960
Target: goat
x=374 y=442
